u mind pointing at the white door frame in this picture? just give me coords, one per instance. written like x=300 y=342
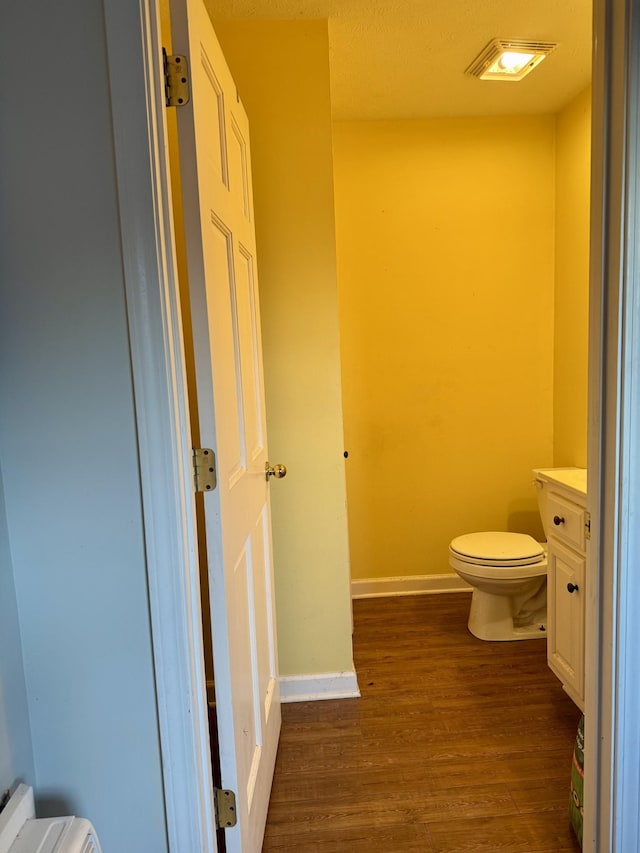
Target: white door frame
x=136 y=79
x=612 y=736
x=613 y=600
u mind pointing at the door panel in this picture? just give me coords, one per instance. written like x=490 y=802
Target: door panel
x=253 y=403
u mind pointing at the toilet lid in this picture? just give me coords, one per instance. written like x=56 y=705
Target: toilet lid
x=498 y=549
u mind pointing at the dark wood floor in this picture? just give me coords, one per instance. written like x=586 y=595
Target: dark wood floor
x=456 y=744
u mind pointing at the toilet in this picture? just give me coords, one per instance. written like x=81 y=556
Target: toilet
x=508 y=573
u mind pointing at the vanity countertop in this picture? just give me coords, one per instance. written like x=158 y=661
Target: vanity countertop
x=574 y=479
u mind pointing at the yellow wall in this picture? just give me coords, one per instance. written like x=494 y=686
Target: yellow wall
x=572 y=282
x=446 y=258
x=445 y=237
x=281 y=69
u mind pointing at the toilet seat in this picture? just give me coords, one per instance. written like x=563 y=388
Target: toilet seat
x=497 y=549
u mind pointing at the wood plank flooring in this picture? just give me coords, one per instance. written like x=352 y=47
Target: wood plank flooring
x=456 y=744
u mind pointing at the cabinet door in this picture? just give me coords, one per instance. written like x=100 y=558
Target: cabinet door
x=565 y=627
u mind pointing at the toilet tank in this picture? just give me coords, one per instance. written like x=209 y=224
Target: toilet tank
x=542 y=495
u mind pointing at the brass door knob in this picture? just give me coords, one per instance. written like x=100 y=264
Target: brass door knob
x=278 y=471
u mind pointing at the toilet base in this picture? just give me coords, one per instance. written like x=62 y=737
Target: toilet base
x=491 y=618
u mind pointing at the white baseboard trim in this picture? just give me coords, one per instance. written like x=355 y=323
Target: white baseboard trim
x=407 y=585
x=323 y=685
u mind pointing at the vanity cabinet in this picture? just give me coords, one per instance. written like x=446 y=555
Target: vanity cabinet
x=566 y=523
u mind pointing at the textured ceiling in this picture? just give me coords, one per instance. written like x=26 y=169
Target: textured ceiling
x=406 y=58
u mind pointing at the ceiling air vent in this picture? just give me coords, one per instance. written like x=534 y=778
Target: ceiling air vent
x=511 y=59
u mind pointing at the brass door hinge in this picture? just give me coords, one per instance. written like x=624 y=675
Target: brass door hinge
x=176 y=80
x=587 y=525
x=204 y=469
x=225 y=806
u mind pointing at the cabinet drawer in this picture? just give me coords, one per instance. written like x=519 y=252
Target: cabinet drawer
x=565 y=626
x=566 y=521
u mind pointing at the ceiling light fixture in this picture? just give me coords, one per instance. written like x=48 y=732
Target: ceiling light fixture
x=509 y=60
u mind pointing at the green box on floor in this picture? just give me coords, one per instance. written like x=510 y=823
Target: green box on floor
x=576 y=798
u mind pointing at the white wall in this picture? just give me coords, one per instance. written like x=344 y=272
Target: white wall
x=67 y=434
x=16 y=755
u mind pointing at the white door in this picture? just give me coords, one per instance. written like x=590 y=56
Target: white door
x=220 y=237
